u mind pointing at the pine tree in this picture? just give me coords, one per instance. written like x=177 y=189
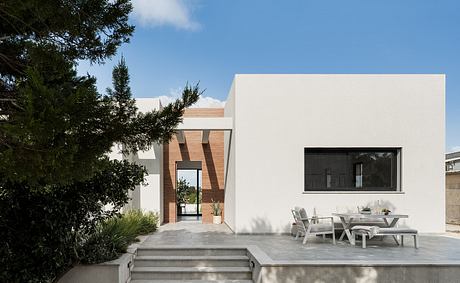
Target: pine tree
x=56 y=131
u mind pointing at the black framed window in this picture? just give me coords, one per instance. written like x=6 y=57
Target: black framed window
x=352 y=169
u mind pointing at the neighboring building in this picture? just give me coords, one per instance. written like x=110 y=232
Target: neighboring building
x=453 y=187
x=328 y=143
x=453 y=162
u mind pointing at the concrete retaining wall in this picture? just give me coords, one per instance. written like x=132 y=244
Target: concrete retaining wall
x=453 y=198
x=381 y=274
x=116 y=271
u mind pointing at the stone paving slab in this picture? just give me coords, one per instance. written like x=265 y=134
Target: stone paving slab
x=284 y=249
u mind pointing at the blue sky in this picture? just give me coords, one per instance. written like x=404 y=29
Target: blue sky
x=179 y=41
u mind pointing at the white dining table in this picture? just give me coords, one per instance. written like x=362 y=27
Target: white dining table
x=347 y=220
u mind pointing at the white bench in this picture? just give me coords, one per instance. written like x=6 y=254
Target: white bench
x=371 y=231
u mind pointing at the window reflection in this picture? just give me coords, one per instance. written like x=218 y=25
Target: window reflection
x=351 y=169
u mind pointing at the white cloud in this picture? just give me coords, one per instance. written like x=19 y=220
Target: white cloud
x=203 y=102
x=209 y=102
x=455 y=148
x=155 y=13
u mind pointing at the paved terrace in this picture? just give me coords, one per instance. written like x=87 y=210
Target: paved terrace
x=284 y=249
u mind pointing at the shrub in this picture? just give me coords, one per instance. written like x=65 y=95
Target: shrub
x=146 y=222
x=42 y=228
x=113 y=236
x=216 y=210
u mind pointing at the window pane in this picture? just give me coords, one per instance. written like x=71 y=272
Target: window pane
x=351 y=169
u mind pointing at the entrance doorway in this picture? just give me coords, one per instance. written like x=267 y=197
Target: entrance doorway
x=188 y=192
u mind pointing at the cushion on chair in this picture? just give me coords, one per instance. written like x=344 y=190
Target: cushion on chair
x=395 y=230
x=320 y=227
x=302 y=212
x=364 y=228
x=369 y=230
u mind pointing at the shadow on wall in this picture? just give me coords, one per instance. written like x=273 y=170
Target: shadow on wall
x=169 y=198
x=184 y=152
x=357 y=274
x=326 y=274
x=373 y=205
x=211 y=168
x=151 y=164
x=261 y=225
x=376 y=206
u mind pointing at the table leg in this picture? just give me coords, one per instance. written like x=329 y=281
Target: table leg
x=346 y=230
x=392 y=224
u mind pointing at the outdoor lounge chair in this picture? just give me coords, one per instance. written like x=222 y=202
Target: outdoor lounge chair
x=312 y=225
x=371 y=231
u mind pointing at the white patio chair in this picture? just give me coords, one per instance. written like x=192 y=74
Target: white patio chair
x=312 y=225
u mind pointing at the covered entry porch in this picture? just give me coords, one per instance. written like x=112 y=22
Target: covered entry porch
x=193 y=166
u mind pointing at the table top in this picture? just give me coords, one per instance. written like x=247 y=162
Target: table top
x=375 y=216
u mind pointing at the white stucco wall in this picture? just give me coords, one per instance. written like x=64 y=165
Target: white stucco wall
x=277 y=116
x=148 y=196
x=151 y=193
x=229 y=163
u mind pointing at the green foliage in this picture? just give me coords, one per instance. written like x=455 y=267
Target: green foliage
x=184 y=192
x=192 y=196
x=64 y=126
x=182 y=188
x=216 y=209
x=42 y=227
x=146 y=222
x=56 y=130
x=113 y=236
x=79 y=29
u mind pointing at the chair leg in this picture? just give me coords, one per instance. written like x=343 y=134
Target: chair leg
x=297 y=235
x=324 y=236
x=402 y=240
x=416 y=241
x=305 y=239
x=364 y=241
x=333 y=237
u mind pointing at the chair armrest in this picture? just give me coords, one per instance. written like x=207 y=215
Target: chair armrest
x=323 y=217
x=327 y=217
x=318 y=217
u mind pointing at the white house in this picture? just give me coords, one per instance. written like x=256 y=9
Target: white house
x=329 y=143
x=453 y=161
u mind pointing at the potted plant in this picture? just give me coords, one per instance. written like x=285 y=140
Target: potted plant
x=216 y=211
x=182 y=188
x=386 y=211
x=366 y=210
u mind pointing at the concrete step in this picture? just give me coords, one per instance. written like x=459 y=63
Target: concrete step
x=192 y=261
x=189 y=251
x=191 y=281
x=191 y=273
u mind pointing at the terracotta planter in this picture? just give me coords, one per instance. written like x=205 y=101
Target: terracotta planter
x=217 y=219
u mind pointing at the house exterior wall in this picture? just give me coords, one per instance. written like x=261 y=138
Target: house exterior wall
x=277 y=116
x=453 y=161
x=456 y=166
x=211 y=156
x=148 y=196
x=453 y=197
x=229 y=163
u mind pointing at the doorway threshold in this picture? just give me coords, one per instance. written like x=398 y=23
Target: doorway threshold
x=189 y=218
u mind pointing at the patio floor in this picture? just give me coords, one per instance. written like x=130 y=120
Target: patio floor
x=282 y=249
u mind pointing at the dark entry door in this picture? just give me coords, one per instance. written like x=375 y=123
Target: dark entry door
x=188 y=192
